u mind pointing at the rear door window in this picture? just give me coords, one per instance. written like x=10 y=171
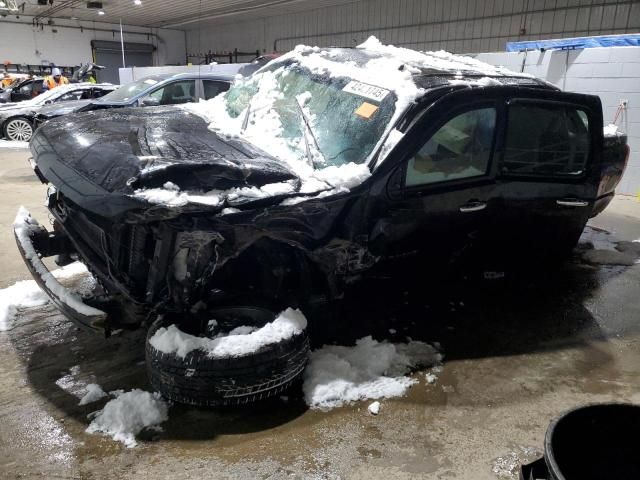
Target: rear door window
x=546 y=139
x=213 y=88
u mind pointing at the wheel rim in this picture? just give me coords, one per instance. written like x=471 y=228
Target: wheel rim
x=19 y=130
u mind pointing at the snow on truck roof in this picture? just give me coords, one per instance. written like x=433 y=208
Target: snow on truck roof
x=361 y=78
x=389 y=66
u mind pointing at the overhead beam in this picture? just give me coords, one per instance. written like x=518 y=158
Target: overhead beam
x=57 y=8
x=223 y=12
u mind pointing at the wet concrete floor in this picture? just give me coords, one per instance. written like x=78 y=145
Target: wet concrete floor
x=515 y=357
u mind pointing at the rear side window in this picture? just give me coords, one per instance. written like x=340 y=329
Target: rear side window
x=546 y=140
x=97 y=93
x=213 y=88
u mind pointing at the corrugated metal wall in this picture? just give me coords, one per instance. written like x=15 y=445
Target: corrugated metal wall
x=459 y=26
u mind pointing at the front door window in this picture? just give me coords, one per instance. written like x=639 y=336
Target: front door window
x=461 y=148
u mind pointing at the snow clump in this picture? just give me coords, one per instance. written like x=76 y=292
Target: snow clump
x=374 y=408
x=128 y=414
x=94 y=393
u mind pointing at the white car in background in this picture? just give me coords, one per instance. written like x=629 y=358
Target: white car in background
x=17 y=119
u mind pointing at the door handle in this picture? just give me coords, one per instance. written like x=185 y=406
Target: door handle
x=473 y=207
x=572 y=202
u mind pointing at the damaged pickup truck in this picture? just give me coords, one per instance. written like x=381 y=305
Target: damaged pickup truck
x=201 y=223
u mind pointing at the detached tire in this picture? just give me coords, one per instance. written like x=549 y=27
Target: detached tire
x=200 y=380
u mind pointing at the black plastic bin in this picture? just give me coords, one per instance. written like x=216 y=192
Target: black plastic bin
x=593 y=442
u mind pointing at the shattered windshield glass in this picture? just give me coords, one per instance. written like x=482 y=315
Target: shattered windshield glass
x=328 y=120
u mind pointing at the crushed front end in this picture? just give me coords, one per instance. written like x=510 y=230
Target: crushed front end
x=150 y=259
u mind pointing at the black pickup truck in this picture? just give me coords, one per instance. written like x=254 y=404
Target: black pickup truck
x=169 y=212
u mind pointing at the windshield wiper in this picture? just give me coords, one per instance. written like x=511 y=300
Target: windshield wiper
x=306 y=140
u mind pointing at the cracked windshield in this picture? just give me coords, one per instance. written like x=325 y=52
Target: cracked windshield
x=317 y=117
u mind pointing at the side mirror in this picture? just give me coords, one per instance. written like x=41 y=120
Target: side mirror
x=394 y=185
x=149 y=102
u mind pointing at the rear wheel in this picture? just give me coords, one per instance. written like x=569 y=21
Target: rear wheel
x=18 y=129
x=201 y=380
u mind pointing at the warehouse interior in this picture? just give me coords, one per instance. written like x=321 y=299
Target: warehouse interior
x=465 y=369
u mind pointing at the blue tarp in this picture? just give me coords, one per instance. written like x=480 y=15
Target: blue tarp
x=629 y=40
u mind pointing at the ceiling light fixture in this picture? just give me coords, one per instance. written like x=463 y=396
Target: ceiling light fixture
x=137 y=2
x=100 y=12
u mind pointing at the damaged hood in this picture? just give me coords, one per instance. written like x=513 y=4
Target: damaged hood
x=122 y=152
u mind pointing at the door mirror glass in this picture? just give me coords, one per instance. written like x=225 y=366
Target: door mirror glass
x=461 y=148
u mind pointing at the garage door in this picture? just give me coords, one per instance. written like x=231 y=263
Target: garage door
x=109 y=54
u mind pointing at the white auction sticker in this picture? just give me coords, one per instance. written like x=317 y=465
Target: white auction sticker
x=365 y=90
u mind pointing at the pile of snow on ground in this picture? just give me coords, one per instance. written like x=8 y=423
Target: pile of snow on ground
x=27 y=293
x=242 y=341
x=606 y=249
x=337 y=375
x=128 y=414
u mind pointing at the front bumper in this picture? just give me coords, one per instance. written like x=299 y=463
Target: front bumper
x=30 y=235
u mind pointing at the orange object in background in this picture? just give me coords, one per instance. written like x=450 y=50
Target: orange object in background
x=6 y=80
